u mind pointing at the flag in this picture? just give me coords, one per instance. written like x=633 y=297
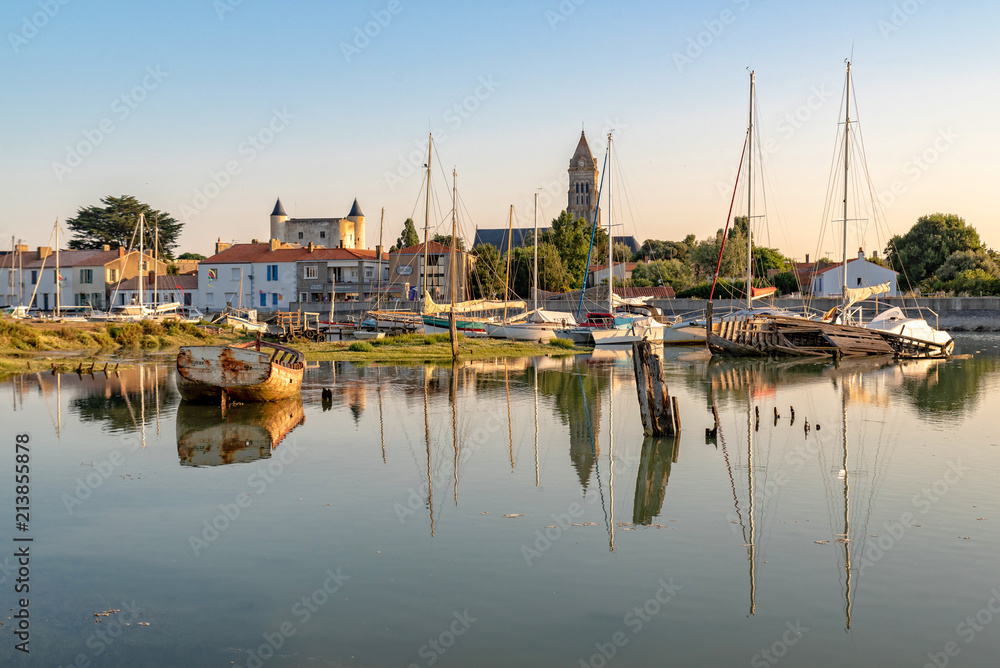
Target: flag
x=211 y=275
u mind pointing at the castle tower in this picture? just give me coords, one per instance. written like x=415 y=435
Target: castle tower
x=278 y=218
x=358 y=218
x=582 y=182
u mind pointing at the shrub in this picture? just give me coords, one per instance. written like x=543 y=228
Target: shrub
x=561 y=343
x=361 y=347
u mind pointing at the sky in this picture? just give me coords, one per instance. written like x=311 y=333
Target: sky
x=210 y=109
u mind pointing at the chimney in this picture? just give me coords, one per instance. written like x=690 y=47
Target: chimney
x=121 y=252
x=221 y=246
x=861 y=253
x=341 y=244
x=44 y=252
x=106 y=247
x=807 y=258
x=275 y=244
x=311 y=246
x=378 y=252
x=875 y=254
x=255 y=241
x=22 y=248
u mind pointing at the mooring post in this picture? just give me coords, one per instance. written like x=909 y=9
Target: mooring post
x=651 y=387
x=708 y=324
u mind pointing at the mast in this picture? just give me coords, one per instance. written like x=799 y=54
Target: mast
x=847 y=140
x=58 y=294
x=750 y=544
x=453 y=279
x=142 y=255
x=534 y=277
x=156 y=266
x=427 y=206
x=510 y=233
x=750 y=197
x=378 y=267
x=611 y=260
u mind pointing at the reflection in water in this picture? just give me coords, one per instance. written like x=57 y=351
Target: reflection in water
x=651 y=480
x=210 y=436
x=947 y=389
x=125 y=400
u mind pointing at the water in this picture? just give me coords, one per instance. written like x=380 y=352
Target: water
x=374 y=533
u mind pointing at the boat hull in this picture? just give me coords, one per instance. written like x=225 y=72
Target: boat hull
x=542 y=332
x=436 y=325
x=206 y=373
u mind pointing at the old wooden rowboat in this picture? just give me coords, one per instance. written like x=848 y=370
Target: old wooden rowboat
x=251 y=371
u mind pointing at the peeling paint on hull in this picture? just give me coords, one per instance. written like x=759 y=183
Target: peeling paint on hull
x=244 y=372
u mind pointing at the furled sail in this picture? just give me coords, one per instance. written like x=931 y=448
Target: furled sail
x=430 y=308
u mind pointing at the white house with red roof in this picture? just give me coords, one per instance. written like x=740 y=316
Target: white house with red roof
x=273 y=276
x=861 y=273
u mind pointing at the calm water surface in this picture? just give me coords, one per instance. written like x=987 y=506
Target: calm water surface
x=514 y=515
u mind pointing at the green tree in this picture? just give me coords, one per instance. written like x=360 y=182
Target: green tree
x=679 y=275
x=622 y=253
x=966 y=260
x=552 y=276
x=734 y=259
x=786 y=282
x=191 y=256
x=572 y=238
x=115 y=224
x=489 y=273
x=408 y=237
x=445 y=240
x=919 y=253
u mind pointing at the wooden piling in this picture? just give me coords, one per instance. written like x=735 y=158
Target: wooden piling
x=658 y=419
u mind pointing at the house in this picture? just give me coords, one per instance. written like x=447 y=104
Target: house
x=597 y=274
x=406 y=271
x=86 y=277
x=181 y=288
x=275 y=276
x=861 y=273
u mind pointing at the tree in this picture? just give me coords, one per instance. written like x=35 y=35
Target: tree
x=408 y=237
x=653 y=249
x=677 y=274
x=489 y=273
x=572 y=239
x=552 y=276
x=919 y=253
x=966 y=260
x=706 y=255
x=191 y=256
x=445 y=240
x=622 y=252
x=115 y=224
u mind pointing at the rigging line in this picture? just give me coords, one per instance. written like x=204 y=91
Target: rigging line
x=722 y=245
x=628 y=195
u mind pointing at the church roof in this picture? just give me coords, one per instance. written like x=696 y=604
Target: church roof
x=278 y=209
x=355 y=210
x=582 y=153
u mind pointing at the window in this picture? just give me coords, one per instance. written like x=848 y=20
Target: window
x=322 y=234
x=209 y=300
x=859 y=281
x=86 y=275
x=274 y=299
x=263 y=299
x=145 y=266
x=272 y=272
x=112 y=275
x=235 y=272
x=300 y=235
x=34 y=276
x=309 y=272
x=303 y=297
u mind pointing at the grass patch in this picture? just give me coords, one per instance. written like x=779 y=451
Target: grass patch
x=361 y=347
x=561 y=343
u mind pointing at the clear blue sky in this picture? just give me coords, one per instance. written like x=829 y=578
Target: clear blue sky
x=200 y=77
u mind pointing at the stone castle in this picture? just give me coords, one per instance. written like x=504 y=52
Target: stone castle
x=346 y=232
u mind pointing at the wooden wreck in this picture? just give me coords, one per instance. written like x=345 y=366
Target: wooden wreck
x=245 y=372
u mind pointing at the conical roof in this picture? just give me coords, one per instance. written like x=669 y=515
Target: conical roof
x=278 y=209
x=582 y=153
x=355 y=210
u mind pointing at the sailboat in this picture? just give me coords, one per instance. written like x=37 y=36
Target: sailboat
x=841 y=331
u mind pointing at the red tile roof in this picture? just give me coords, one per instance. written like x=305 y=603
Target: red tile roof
x=261 y=252
x=73 y=258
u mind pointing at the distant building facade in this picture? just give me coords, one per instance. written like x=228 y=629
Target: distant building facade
x=861 y=273
x=348 y=232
